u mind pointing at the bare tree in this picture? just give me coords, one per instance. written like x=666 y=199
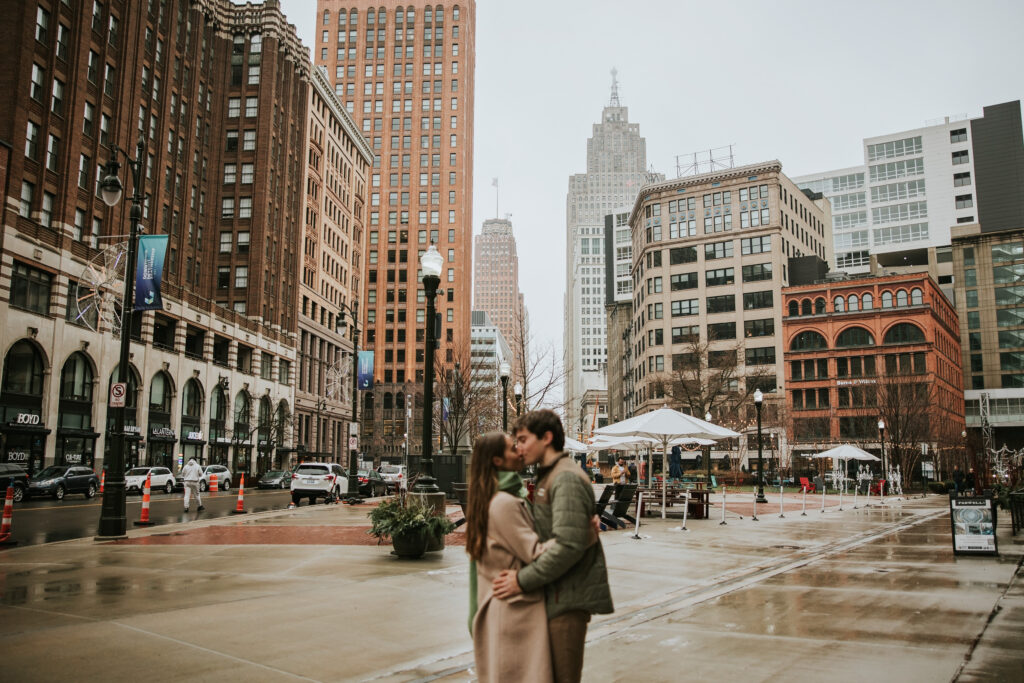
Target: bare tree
x=907 y=405
x=538 y=366
x=467 y=401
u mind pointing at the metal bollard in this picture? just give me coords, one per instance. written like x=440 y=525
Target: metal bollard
x=686 y=508
x=840 y=499
x=722 y=523
x=855 y=492
x=639 y=507
x=781 y=516
x=823 y=488
x=803 y=508
x=754 y=517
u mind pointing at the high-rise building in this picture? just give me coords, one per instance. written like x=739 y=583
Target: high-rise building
x=711 y=253
x=334 y=236
x=496 y=287
x=405 y=74
x=217 y=95
x=616 y=169
x=489 y=351
x=895 y=210
x=618 y=304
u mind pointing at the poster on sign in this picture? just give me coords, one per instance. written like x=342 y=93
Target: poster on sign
x=974 y=528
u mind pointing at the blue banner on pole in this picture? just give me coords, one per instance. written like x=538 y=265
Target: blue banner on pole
x=444 y=409
x=365 y=380
x=149 y=272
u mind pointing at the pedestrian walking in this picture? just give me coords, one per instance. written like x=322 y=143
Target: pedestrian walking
x=958 y=480
x=510 y=637
x=572 y=571
x=191 y=475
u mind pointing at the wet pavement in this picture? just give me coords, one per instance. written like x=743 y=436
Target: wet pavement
x=866 y=594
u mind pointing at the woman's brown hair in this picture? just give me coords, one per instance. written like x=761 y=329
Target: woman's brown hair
x=483 y=483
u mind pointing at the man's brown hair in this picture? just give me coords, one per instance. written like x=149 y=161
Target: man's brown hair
x=539 y=421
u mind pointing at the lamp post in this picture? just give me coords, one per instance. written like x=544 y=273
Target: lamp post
x=431 y=263
x=503 y=369
x=707 y=456
x=517 y=391
x=881 y=443
x=113 y=519
x=353 y=453
x=758 y=399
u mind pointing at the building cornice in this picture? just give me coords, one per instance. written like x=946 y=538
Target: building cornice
x=266 y=18
x=318 y=78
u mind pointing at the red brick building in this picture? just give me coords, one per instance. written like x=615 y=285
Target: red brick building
x=867 y=349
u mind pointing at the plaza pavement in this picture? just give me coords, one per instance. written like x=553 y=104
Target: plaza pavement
x=863 y=594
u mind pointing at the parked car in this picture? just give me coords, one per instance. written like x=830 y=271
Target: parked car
x=135 y=479
x=223 y=479
x=314 y=480
x=60 y=480
x=394 y=476
x=13 y=475
x=372 y=484
x=275 y=479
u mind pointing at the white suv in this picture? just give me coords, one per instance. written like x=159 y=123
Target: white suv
x=314 y=480
x=395 y=476
x=223 y=478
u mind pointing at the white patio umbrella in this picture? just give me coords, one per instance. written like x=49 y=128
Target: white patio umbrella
x=666 y=426
x=574 y=445
x=846 y=452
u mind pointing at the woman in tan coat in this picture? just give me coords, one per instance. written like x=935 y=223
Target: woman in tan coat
x=510 y=637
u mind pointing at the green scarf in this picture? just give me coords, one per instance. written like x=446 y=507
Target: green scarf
x=509 y=482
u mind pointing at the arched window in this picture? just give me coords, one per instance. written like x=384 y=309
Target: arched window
x=807 y=341
x=382 y=16
x=428 y=15
x=916 y=297
x=867 y=301
x=192 y=399
x=399 y=16
x=400 y=401
x=23 y=370
x=886 y=299
x=455 y=13
x=283 y=419
x=243 y=409
x=370 y=16
x=794 y=309
x=805 y=307
x=839 y=304
x=854 y=336
x=218 y=405
x=901 y=298
x=904 y=333
x=264 y=416
x=852 y=304
x=819 y=306
x=387 y=401
x=342 y=17
x=160 y=393
x=76 y=378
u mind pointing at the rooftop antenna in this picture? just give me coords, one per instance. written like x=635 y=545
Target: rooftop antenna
x=614 y=101
x=494 y=184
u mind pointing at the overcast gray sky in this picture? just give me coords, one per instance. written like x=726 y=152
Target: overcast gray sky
x=801 y=82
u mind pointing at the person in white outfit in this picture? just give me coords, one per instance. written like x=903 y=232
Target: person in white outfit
x=191 y=475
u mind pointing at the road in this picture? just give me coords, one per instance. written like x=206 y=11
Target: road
x=43 y=520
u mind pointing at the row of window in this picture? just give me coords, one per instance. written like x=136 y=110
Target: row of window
x=851 y=337
x=853 y=302
x=405 y=15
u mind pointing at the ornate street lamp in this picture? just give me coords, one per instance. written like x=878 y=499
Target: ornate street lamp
x=431 y=263
x=113 y=518
x=503 y=371
x=353 y=453
x=758 y=399
x=517 y=391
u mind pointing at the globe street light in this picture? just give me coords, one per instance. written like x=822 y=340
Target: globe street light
x=431 y=263
x=503 y=370
x=758 y=399
x=518 y=393
x=113 y=518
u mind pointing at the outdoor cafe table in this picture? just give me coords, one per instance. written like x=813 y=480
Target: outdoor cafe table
x=699 y=498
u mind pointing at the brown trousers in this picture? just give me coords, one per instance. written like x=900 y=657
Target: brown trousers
x=568 y=634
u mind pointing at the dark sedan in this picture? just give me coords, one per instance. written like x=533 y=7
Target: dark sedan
x=60 y=480
x=371 y=484
x=275 y=479
x=13 y=476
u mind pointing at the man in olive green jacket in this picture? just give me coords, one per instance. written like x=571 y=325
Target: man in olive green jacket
x=572 y=572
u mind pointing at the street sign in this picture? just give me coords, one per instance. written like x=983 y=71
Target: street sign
x=118 y=390
x=353 y=443
x=353 y=429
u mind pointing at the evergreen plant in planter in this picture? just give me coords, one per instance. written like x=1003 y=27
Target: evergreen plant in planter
x=408 y=524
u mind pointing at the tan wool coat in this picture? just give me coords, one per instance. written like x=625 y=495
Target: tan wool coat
x=510 y=637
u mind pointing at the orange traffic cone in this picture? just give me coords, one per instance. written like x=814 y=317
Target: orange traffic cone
x=5 y=526
x=213 y=484
x=240 y=509
x=103 y=479
x=144 y=517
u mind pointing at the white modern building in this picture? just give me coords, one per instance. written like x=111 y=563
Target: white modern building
x=488 y=350
x=616 y=169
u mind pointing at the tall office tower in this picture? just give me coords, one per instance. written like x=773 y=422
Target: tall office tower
x=894 y=212
x=217 y=94
x=618 y=305
x=496 y=288
x=405 y=73
x=337 y=175
x=616 y=169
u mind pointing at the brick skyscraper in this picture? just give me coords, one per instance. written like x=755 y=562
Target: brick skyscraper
x=405 y=73
x=496 y=287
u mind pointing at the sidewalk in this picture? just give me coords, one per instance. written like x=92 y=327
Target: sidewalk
x=866 y=594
